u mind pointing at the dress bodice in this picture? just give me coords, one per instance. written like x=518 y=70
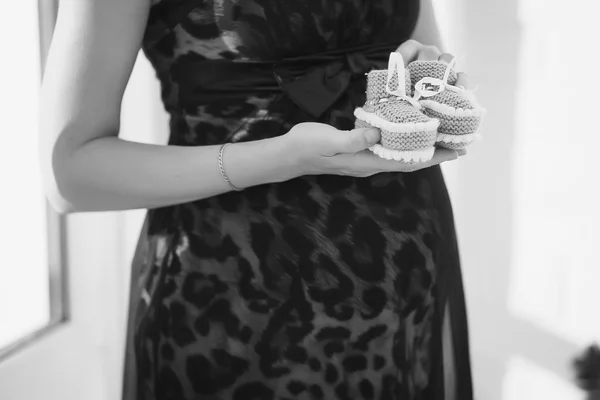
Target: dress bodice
x=183 y=32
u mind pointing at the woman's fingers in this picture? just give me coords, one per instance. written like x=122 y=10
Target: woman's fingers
x=428 y=53
x=409 y=50
x=441 y=155
x=356 y=140
x=412 y=50
x=463 y=80
x=446 y=57
x=365 y=163
x=461 y=152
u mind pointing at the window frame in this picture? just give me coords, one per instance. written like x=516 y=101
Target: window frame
x=56 y=223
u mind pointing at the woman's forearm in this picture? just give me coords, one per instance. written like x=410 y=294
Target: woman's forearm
x=109 y=173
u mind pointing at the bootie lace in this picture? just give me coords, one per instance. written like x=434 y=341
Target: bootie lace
x=430 y=86
x=396 y=64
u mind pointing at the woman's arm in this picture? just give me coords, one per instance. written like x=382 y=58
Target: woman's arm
x=427 y=31
x=85 y=166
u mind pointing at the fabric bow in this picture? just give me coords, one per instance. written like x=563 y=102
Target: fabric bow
x=314 y=82
x=320 y=87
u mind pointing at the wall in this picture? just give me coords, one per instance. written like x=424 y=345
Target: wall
x=525 y=198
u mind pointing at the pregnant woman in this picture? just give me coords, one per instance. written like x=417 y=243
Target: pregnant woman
x=279 y=258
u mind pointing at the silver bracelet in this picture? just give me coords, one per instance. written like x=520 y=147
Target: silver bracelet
x=222 y=169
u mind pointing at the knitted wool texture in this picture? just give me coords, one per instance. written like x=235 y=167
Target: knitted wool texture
x=451 y=108
x=403 y=141
x=454 y=125
x=419 y=69
x=452 y=99
x=396 y=111
x=377 y=80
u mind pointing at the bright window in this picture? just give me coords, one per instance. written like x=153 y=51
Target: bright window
x=28 y=276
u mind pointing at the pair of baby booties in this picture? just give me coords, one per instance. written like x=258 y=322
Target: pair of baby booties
x=418 y=108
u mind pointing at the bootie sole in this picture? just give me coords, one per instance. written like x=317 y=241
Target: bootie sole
x=458 y=127
x=423 y=133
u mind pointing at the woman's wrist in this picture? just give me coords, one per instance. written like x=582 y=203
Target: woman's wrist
x=286 y=158
x=259 y=162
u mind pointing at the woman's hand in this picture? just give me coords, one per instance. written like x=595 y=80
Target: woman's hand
x=316 y=148
x=412 y=50
x=322 y=149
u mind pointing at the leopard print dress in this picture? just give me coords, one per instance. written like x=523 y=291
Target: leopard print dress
x=322 y=287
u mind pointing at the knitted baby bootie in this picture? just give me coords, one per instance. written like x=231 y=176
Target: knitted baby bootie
x=407 y=134
x=457 y=109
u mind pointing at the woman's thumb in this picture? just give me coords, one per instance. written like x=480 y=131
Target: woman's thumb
x=361 y=138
